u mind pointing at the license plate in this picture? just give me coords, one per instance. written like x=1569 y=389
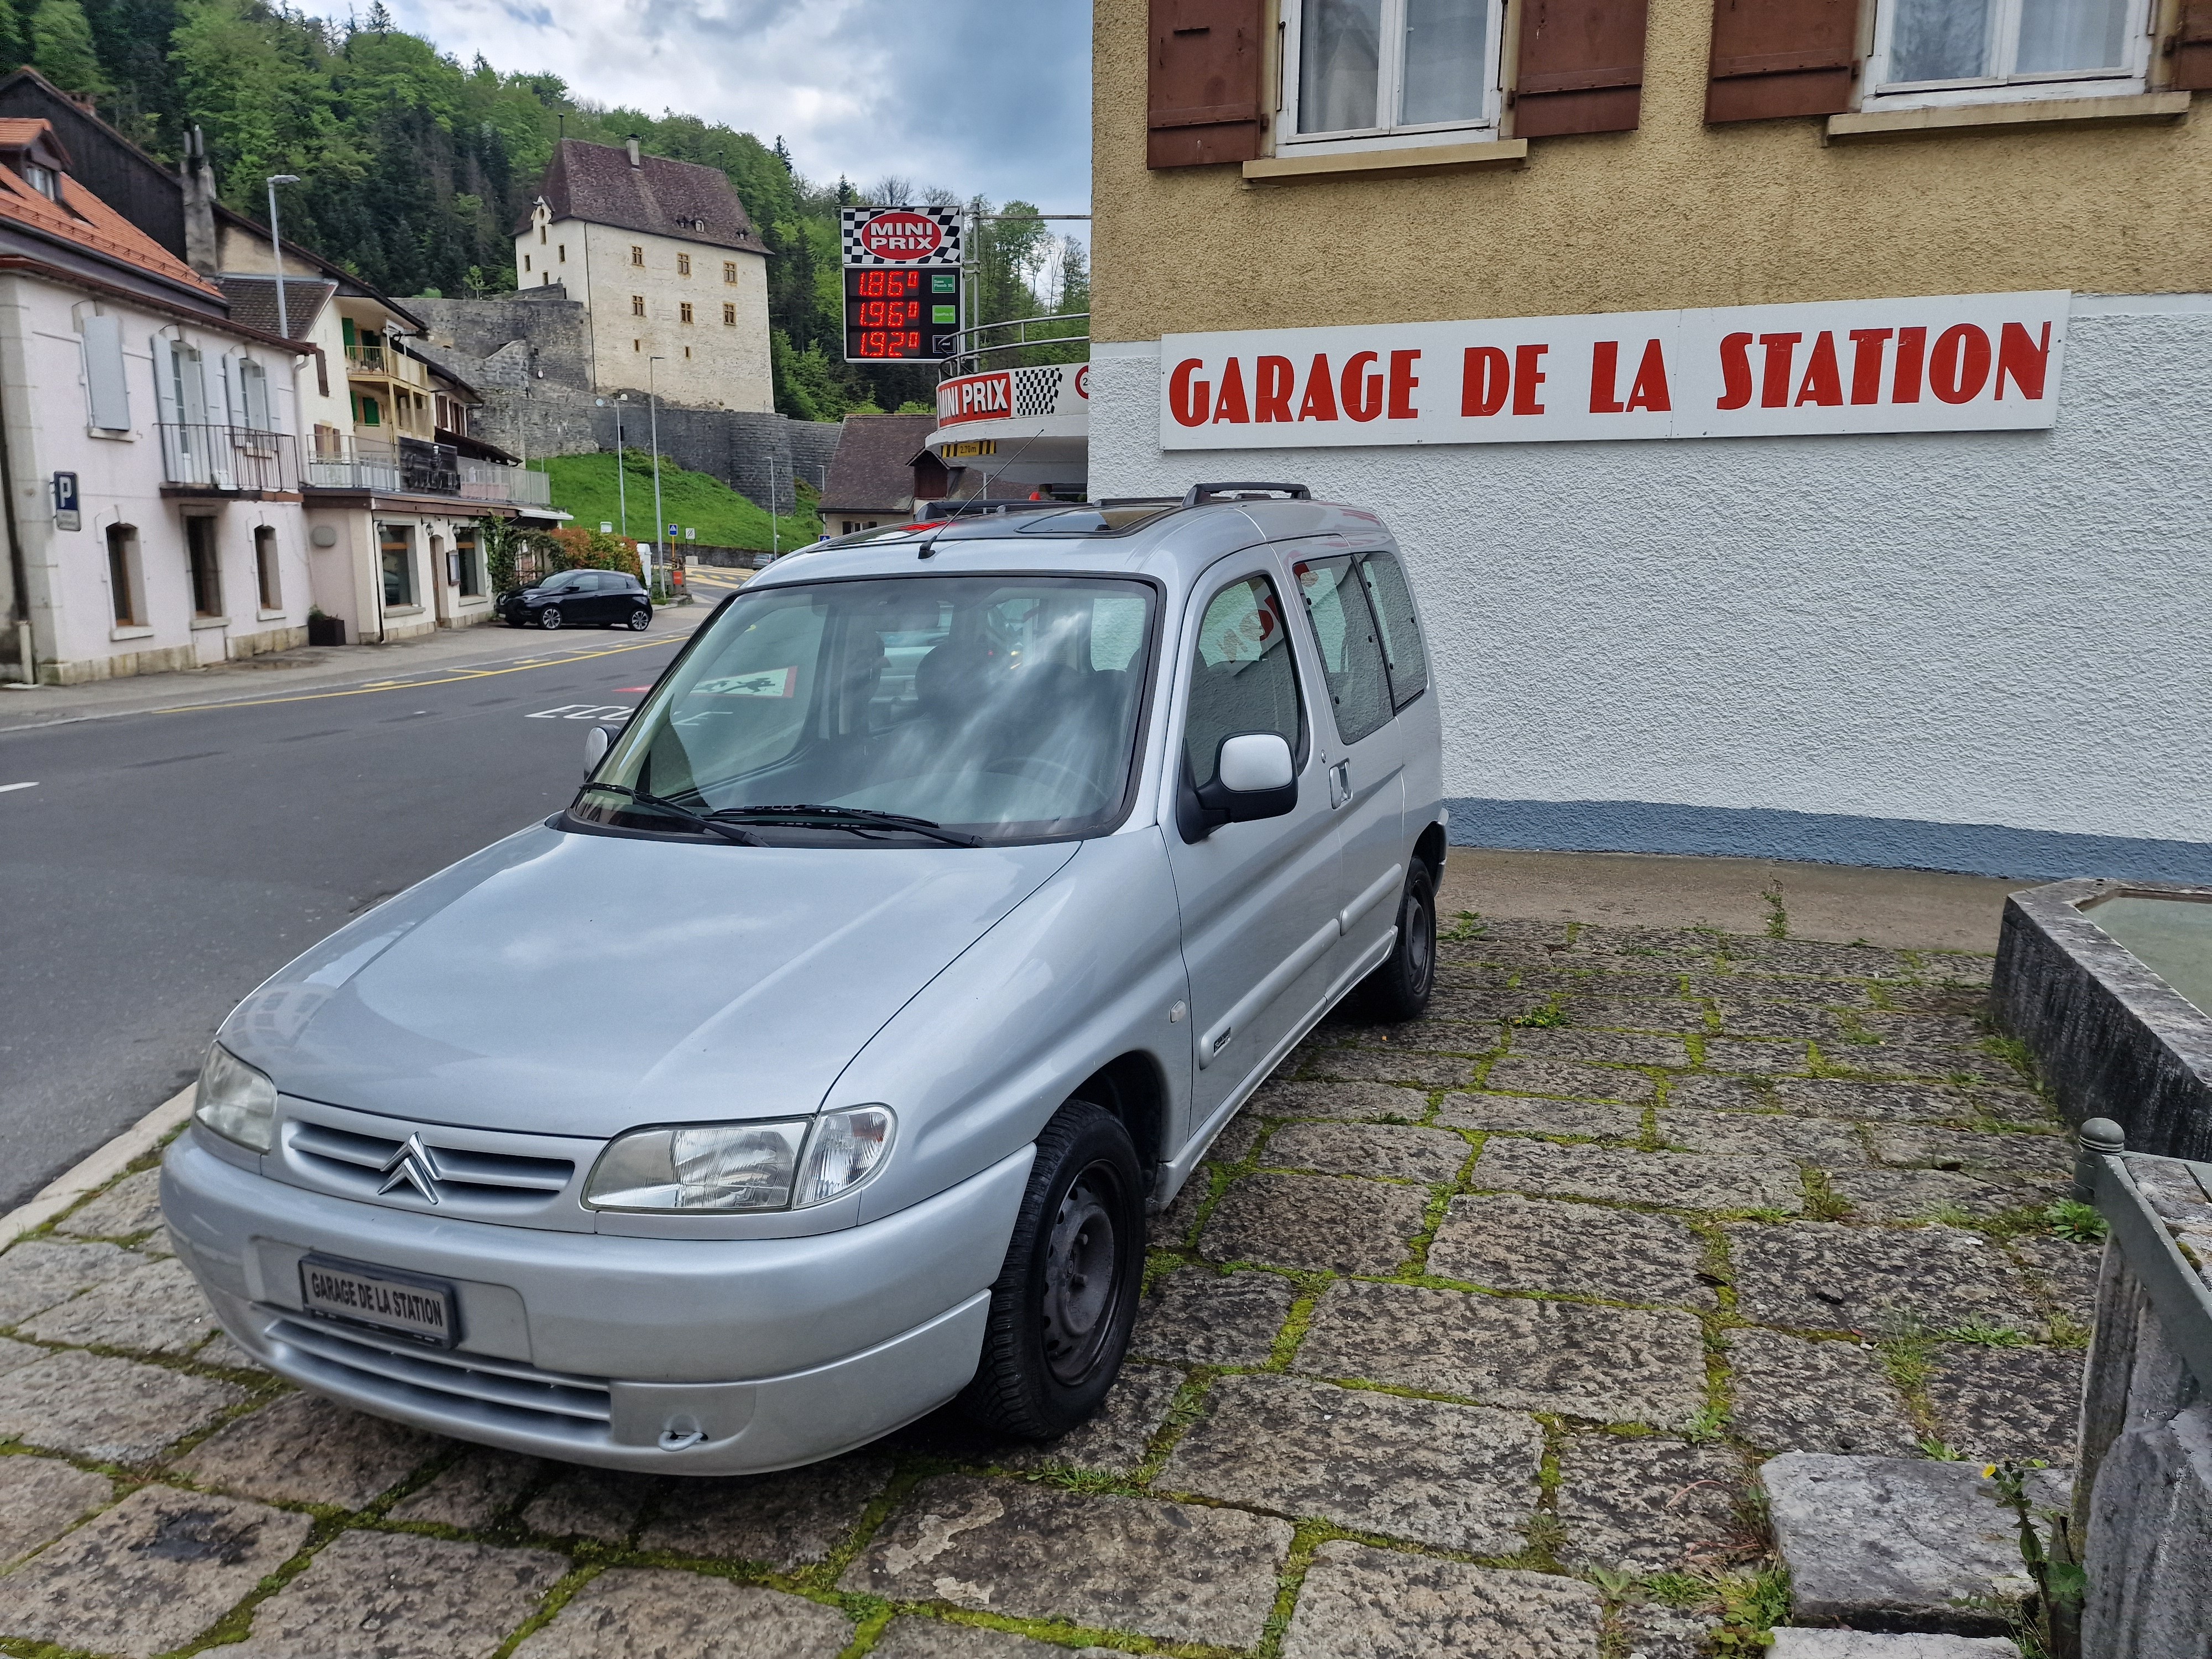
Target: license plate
x=383 y=1297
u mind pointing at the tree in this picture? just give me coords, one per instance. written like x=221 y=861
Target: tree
x=62 y=47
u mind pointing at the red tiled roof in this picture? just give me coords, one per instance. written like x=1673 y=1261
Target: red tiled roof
x=84 y=219
x=596 y=183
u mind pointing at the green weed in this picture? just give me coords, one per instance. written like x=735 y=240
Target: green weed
x=1941 y=1450
x=1549 y=1018
x=1987 y=1333
x=2073 y=1220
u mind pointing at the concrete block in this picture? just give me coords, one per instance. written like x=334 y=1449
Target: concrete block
x=1792 y=1642
x=1899 y=1542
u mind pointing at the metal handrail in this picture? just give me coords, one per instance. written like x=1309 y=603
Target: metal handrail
x=968 y=351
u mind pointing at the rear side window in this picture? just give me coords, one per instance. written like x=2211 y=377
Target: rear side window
x=1242 y=676
x=1401 y=635
x=1351 y=657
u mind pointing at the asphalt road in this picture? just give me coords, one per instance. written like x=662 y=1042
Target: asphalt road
x=164 y=863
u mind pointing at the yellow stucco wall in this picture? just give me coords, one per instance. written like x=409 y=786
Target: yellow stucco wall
x=1676 y=213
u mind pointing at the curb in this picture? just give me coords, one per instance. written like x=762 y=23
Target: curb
x=99 y=1168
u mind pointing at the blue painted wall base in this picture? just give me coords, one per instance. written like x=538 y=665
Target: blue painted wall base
x=1981 y=849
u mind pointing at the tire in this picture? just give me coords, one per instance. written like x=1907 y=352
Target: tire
x=641 y=619
x=1399 y=989
x=550 y=618
x=1055 y=1341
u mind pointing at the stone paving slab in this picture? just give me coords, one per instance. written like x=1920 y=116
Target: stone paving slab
x=1610 y=1364
x=39 y=1497
x=1797 y=1642
x=150 y=1574
x=387 y=1596
x=1196 y=1316
x=99 y=1407
x=1648 y=1504
x=1682 y=1180
x=1174 y=1571
x=1318 y=1223
x=1385 y=1605
x=1464 y=1477
x=307 y=1450
x=629 y=1614
x=1627 y=1321
x=1510 y=1243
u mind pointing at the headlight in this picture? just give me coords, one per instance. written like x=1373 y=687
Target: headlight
x=726 y=1167
x=235 y=1100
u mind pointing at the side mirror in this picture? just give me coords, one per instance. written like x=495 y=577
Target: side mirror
x=1254 y=777
x=597 y=741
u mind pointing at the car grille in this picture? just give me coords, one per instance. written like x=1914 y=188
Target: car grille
x=471 y=1175
x=343 y=1157
x=496 y=1393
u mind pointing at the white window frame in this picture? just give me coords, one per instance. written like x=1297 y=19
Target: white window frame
x=1392 y=134
x=2131 y=76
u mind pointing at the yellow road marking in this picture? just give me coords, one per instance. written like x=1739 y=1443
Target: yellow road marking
x=415 y=685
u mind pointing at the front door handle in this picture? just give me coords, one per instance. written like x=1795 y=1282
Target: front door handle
x=1340 y=783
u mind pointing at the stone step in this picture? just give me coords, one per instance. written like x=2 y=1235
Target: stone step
x=1793 y=1642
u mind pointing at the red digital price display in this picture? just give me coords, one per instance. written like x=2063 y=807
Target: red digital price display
x=900 y=315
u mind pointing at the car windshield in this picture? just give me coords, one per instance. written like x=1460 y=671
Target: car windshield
x=1004 y=708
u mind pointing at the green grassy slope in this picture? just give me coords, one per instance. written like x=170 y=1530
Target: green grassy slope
x=584 y=486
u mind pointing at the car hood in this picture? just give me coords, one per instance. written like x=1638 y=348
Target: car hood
x=580 y=984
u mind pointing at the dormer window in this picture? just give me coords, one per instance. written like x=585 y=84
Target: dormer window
x=45 y=180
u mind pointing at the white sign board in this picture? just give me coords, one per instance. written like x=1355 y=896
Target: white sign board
x=1954 y=363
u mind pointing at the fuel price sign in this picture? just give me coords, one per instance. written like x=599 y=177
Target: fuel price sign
x=902 y=284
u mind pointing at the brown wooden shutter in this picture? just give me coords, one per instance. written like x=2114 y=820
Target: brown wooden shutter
x=1203 y=101
x=1581 y=68
x=2190 y=47
x=1778 y=58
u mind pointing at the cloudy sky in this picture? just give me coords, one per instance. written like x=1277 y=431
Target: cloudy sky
x=977 y=95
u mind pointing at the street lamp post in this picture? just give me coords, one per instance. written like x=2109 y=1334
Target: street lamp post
x=276 y=249
x=653 y=403
x=622 y=464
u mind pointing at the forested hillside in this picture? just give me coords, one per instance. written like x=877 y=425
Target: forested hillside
x=417 y=167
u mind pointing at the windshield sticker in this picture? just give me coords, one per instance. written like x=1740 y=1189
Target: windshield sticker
x=767 y=682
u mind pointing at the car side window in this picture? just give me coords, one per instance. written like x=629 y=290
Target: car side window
x=1242 y=678
x=1351 y=653
x=1401 y=633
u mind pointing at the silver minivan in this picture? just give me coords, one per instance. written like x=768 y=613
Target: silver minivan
x=821 y=1062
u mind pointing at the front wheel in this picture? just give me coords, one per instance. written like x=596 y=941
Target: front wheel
x=1399 y=989
x=641 y=619
x=1066 y=1298
x=550 y=618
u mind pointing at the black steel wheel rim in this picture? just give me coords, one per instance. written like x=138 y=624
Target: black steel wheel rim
x=1420 y=943
x=1083 y=1274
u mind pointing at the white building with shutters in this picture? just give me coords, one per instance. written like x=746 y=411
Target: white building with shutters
x=1792 y=410
x=151 y=469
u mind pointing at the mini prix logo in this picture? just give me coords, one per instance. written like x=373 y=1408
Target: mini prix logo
x=901 y=235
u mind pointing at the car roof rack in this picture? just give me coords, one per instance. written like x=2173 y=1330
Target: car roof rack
x=1198 y=495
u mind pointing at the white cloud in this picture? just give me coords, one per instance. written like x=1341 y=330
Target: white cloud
x=973 y=95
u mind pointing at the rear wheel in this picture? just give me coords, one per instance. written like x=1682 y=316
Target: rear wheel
x=1399 y=989
x=550 y=618
x=641 y=619
x=1066 y=1298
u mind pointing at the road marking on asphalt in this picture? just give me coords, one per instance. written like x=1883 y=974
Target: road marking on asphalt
x=5 y=787
x=413 y=685
x=583 y=711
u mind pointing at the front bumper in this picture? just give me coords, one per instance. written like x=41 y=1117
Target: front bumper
x=677 y=1356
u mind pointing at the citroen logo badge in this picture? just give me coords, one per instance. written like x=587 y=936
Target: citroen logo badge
x=412 y=1165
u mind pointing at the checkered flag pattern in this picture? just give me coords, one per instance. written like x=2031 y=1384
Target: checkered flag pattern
x=851 y=220
x=1036 y=392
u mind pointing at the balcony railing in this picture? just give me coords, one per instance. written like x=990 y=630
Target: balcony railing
x=374 y=357
x=985 y=345
x=229 y=459
x=415 y=468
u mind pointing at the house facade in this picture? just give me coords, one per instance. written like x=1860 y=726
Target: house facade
x=880 y=470
x=672 y=273
x=1788 y=407
x=153 y=473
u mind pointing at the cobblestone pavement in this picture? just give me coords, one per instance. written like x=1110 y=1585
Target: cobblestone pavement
x=1466 y=1342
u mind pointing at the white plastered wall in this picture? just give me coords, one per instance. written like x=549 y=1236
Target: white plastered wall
x=1999 y=628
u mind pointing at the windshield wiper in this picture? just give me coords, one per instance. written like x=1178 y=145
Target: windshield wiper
x=856 y=818
x=726 y=831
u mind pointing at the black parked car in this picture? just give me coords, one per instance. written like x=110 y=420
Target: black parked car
x=608 y=599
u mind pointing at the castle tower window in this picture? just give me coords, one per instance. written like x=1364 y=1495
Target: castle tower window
x=684 y=314
x=525 y=262
x=564 y=253
x=636 y=254
x=637 y=305
x=729 y=271
x=729 y=316
x=683 y=265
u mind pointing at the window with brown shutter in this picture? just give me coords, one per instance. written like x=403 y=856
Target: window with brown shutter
x=1781 y=58
x=1203 y=92
x=2189 y=50
x=1581 y=67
